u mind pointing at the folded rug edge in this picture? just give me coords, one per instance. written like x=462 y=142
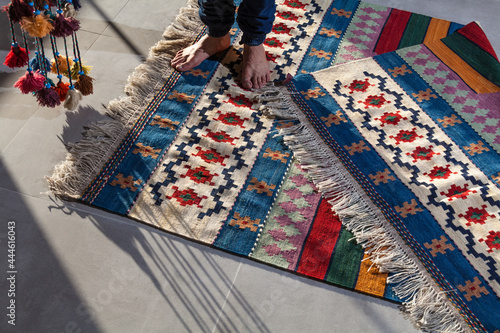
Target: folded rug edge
x=423 y=301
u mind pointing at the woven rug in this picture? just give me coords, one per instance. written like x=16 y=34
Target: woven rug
x=196 y=155
x=405 y=146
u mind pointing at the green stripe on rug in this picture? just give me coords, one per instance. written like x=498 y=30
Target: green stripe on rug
x=483 y=62
x=415 y=30
x=345 y=259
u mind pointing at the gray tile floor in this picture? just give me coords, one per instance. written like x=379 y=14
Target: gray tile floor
x=84 y=270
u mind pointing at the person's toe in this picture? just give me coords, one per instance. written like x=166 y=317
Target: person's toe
x=247 y=84
x=256 y=81
x=178 y=56
x=261 y=81
x=183 y=66
x=175 y=62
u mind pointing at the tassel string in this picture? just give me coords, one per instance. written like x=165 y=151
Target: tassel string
x=76 y=52
x=55 y=52
x=25 y=41
x=40 y=53
x=67 y=61
x=40 y=43
x=12 y=33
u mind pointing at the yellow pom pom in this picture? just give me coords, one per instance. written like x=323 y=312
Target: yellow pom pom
x=62 y=63
x=75 y=69
x=37 y=25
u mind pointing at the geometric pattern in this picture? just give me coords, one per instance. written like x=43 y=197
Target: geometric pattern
x=166 y=123
x=126 y=182
x=381 y=177
x=450 y=167
x=399 y=71
x=146 y=150
x=245 y=222
x=407 y=139
x=439 y=246
x=480 y=113
x=276 y=155
x=208 y=167
x=204 y=183
x=261 y=187
x=203 y=162
x=473 y=288
x=334 y=119
x=357 y=147
x=363 y=32
x=289 y=221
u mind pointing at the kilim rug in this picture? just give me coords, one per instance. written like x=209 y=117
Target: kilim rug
x=196 y=155
x=405 y=146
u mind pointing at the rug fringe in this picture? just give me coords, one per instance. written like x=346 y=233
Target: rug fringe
x=424 y=303
x=86 y=158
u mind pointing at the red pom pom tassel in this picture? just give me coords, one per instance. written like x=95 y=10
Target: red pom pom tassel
x=30 y=82
x=17 y=57
x=62 y=90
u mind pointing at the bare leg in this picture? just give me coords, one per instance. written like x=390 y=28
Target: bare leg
x=255 y=72
x=194 y=55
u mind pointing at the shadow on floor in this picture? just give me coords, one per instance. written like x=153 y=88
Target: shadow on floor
x=45 y=297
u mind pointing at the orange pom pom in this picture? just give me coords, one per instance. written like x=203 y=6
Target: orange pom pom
x=37 y=25
x=62 y=63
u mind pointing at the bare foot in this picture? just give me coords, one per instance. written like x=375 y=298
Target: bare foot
x=255 y=72
x=194 y=55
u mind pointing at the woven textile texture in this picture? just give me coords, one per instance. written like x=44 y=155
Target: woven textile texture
x=411 y=137
x=196 y=155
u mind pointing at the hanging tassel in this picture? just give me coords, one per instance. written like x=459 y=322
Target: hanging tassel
x=62 y=89
x=18 y=9
x=35 y=64
x=84 y=84
x=69 y=10
x=75 y=69
x=30 y=82
x=72 y=99
x=64 y=26
x=62 y=63
x=47 y=96
x=17 y=57
x=38 y=25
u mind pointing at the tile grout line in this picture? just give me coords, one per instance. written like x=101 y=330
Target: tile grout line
x=227 y=296
x=108 y=23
